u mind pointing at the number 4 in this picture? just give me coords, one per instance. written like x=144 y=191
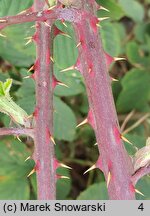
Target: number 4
x=141 y=207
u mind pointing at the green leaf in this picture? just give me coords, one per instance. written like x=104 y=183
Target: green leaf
x=132 y=9
x=2 y=93
x=14 y=189
x=72 y=79
x=141 y=30
x=9 y=107
x=13 y=47
x=136 y=91
x=137 y=56
x=67 y=30
x=7 y=85
x=137 y=140
x=26 y=93
x=143 y=186
x=63 y=186
x=65 y=51
x=14 y=170
x=96 y=191
x=64 y=121
x=115 y=11
x=13 y=7
x=110 y=38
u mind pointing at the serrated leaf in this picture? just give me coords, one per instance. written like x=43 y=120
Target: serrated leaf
x=143 y=186
x=14 y=170
x=110 y=38
x=12 y=7
x=137 y=140
x=65 y=51
x=132 y=9
x=9 y=107
x=137 y=56
x=72 y=79
x=115 y=10
x=64 y=121
x=96 y=191
x=63 y=186
x=26 y=93
x=136 y=91
x=141 y=30
x=13 y=46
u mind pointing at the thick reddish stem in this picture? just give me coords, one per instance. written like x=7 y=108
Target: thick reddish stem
x=116 y=163
x=44 y=147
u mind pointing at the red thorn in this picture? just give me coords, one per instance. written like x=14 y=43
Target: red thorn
x=49 y=136
x=98 y=165
x=63 y=22
x=36 y=111
x=31 y=68
x=108 y=178
x=61 y=177
x=81 y=41
x=93 y=23
x=102 y=8
x=117 y=134
x=90 y=118
x=91 y=168
x=35 y=169
x=109 y=59
x=31 y=172
x=91 y=72
x=113 y=79
x=36 y=66
x=109 y=165
x=33 y=76
x=49 y=10
x=57 y=31
x=37 y=166
x=134 y=190
x=131 y=188
x=77 y=66
x=56 y=82
x=3 y=21
x=35 y=37
x=58 y=164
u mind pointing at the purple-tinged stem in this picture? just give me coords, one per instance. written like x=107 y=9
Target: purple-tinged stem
x=44 y=147
x=17 y=131
x=115 y=162
x=140 y=173
x=71 y=15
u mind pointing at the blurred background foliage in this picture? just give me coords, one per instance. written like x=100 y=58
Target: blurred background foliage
x=125 y=34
